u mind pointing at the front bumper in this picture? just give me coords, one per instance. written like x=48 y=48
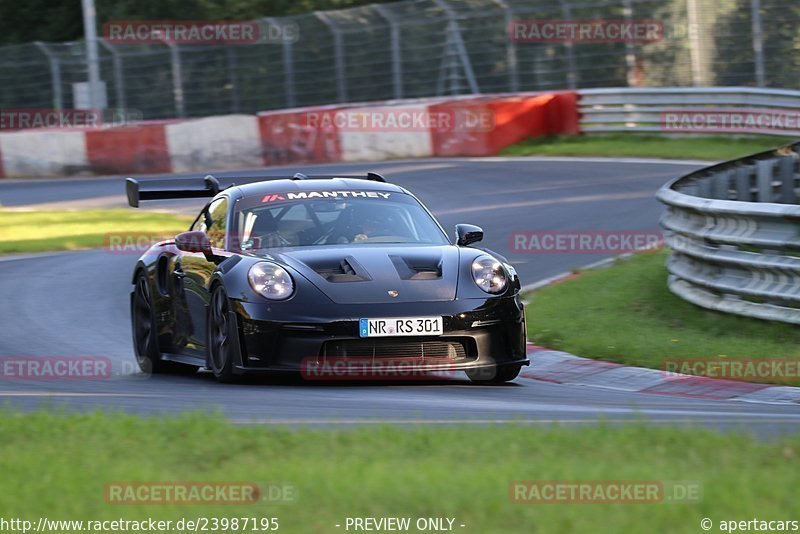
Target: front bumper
x=477 y=333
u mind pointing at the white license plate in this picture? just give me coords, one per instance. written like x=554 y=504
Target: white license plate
x=400 y=326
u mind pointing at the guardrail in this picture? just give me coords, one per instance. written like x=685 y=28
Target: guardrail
x=704 y=110
x=734 y=234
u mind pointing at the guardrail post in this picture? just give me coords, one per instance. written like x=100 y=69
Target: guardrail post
x=338 y=50
x=786 y=165
x=55 y=74
x=764 y=178
x=743 y=183
x=394 y=43
x=119 y=80
x=704 y=186
x=721 y=185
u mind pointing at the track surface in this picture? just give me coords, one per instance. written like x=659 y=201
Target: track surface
x=75 y=304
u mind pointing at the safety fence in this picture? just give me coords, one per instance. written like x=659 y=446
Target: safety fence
x=422 y=48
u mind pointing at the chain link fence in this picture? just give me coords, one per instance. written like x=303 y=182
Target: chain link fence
x=420 y=48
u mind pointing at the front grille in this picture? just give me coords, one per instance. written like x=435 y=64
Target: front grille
x=450 y=349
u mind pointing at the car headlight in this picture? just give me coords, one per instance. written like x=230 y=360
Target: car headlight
x=489 y=274
x=271 y=281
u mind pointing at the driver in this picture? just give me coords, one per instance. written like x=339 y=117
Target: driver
x=366 y=222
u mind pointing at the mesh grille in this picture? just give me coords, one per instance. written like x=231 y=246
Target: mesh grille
x=451 y=349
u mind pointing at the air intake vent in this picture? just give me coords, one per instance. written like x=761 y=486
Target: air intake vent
x=420 y=267
x=345 y=270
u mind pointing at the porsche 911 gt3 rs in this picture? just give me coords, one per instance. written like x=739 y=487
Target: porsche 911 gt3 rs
x=285 y=275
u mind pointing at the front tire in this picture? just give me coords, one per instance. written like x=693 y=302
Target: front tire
x=492 y=376
x=219 y=341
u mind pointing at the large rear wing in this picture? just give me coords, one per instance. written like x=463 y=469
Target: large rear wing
x=161 y=189
x=169 y=188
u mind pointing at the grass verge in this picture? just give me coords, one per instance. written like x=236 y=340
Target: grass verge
x=57 y=466
x=626 y=314
x=714 y=148
x=41 y=231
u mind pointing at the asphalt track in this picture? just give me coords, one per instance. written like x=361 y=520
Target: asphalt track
x=75 y=304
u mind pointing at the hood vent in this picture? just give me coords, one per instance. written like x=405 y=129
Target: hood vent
x=345 y=270
x=418 y=267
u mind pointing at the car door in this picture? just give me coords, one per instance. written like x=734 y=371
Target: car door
x=195 y=272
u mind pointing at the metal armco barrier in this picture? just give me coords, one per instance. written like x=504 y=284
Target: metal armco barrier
x=734 y=234
x=692 y=110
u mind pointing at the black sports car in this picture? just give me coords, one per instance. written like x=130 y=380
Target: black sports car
x=295 y=274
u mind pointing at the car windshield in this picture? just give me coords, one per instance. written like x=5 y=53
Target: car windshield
x=378 y=217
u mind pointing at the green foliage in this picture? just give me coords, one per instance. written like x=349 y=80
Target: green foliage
x=40 y=231
x=61 y=20
x=57 y=465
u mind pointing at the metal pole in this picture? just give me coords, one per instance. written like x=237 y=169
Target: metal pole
x=55 y=74
x=572 y=75
x=511 y=47
x=397 y=60
x=338 y=50
x=288 y=66
x=695 y=51
x=630 y=49
x=92 y=58
x=177 y=78
x=758 y=42
x=234 y=79
x=119 y=80
x=454 y=31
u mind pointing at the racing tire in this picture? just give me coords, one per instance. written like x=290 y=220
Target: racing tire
x=219 y=340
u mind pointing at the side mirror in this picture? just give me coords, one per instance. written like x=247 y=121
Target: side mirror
x=195 y=241
x=466 y=234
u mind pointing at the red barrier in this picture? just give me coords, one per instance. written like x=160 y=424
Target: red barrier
x=299 y=136
x=129 y=149
x=514 y=119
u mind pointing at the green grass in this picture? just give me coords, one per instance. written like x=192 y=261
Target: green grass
x=40 y=231
x=57 y=465
x=639 y=145
x=626 y=314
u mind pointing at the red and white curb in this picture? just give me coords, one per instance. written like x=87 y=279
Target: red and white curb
x=564 y=368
